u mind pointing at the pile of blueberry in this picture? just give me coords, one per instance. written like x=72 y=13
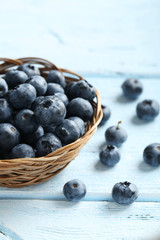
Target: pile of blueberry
x=147 y=110
x=38 y=115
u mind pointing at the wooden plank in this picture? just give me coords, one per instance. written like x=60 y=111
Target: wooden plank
x=84 y=220
x=107 y=36
x=99 y=179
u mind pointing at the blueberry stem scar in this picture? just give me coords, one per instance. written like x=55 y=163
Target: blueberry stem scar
x=118 y=124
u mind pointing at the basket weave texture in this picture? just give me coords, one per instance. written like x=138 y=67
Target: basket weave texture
x=22 y=172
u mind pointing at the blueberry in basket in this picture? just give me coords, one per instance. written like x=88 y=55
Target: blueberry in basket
x=83 y=90
x=9 y=136
x=22 y=96
x=55 y=76
x=39 y=83
x=15 y=77
x=50 y=111
x=53 y=88
x=132 y=88
x=25 y=121
x=22 y=151
x=80 y=107
x=67 y=131
x=148 y=110
x=29 y=69
x=47 y=144
x=5 y=110
x=3 y=87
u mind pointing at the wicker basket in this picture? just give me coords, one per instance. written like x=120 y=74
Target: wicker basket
x=15 y=173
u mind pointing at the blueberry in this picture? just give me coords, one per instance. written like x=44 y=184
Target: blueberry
x=36 y=102
x=67 y=131
x=3 y=87
x=106 y=115
x=147 y=110
x=151 y=154
x=110 y=155
x=80 y=123
x=32 y=138
x=81 y=108
x=29 y=69
x=22 y=96
x=55 y=76
x=125 y=192
x=53 y=88
x=84 y=90
x=116 y=135
x=69 y=89
x=39 y=83
x=25 y=121
x=9 y=136
x=132 y=88
x=50 y=129
x=5 y=110
x=74 y=190
x=63 y=97
x=15 y=77
x=50 y=111
x=22 y=151
x=47 y=144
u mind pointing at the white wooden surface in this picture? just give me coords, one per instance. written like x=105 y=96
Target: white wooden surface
x=99 y=39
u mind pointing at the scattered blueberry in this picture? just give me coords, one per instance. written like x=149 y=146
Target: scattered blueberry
x=151 y=154
x=110 y=155
x=49 y=107
x=55 y=76
x=22 y=151
x=22 y=96
x=29 y=69
x=15 y=77
x=80 y=123
x=53 y=88
x=116 y=135
x=3 y=87
x=84 y=90
x=106 y=115
x=5 y=110
x=47 y=144
x=125 y=192
x=81 y=108
x=63 y=97
x=9 y=136
x=67 y=131
x=147 y=110
x=132 y=88
x=25 y=121
x=74 y=190
x=39 y=83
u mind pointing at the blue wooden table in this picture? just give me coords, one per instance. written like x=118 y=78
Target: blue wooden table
x=106 y=42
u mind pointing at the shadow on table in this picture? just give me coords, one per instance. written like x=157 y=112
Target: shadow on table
x=122 y=99
x=146 y=167
x=101 y=167
x=138 y=122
